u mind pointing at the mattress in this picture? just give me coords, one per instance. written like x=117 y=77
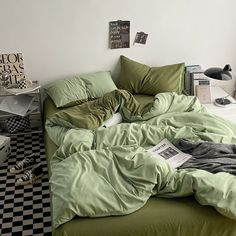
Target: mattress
x=162 y=217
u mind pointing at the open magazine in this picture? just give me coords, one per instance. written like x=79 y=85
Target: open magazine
x=166 y=150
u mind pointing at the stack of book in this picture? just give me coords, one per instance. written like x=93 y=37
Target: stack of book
x=189 y=77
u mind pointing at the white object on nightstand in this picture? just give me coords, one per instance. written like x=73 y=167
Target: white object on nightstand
x=229 y=112
x=5 y=148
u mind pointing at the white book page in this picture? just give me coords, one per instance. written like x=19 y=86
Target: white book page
x=167 y=151
x=114 y=120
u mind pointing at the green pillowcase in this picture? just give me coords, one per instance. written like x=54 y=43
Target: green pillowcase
x=98 y=84
x=78 y=89
x=138 y=78
x=67 y=92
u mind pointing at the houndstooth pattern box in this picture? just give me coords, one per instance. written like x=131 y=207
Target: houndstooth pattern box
x=5 y=148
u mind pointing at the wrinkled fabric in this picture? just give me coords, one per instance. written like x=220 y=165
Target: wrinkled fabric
x=210 y=156
x=107 y=171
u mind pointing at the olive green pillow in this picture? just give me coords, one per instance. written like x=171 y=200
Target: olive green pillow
x=81 y=88
x=138 y=78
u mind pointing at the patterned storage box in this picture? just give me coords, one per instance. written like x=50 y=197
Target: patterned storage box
x=17 y=123
x=5 y=148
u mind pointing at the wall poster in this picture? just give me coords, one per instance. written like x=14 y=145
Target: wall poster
x=119 y=34
x=13 y=64
x=140 y=38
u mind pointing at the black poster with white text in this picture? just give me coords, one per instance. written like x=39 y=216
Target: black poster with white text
x=119 y=34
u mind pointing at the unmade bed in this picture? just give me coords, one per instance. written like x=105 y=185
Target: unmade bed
x=159 y=216
x=103 y=181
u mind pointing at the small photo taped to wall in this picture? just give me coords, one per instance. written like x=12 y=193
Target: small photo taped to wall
x=140 y=38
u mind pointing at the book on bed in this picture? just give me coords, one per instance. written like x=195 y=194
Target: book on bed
x=166 y=150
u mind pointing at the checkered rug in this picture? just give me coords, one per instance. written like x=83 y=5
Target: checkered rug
x=24 y=210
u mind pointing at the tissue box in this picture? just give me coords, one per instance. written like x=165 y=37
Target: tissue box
x=5 y=148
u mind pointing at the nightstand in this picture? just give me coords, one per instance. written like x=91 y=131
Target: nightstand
x=228 y=113
x=31 y=122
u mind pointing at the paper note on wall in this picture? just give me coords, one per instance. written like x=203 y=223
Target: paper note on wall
x=119 y=34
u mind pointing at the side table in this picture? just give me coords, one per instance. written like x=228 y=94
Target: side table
x=228 y=113
x=32 y=120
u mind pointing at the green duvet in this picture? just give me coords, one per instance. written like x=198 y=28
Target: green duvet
x=107 y=171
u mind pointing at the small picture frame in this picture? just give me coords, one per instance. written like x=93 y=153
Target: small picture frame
x=203 y=93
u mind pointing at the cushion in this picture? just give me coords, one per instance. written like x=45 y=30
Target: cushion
x=98 y=84
x=80 y=88
x=67 y=92
x=139 y=78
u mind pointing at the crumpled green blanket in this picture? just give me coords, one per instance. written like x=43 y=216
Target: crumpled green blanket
x=107 y=171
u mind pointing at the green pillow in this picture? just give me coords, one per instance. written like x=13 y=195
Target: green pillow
x=67 y=92
x=131 y=74
x=78 y=89
x=138 y=78
x=98 y=84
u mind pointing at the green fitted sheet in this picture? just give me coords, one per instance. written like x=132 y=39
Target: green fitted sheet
x=162 y=217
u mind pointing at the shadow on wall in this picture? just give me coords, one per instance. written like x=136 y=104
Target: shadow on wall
x=116 y=72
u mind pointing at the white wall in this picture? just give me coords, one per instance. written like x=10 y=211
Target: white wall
x=64 y=37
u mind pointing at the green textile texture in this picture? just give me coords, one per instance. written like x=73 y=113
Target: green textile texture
x=98 y=84
x=107 y=171
x=138 y=78
x=159 y=217
x=73 y=90
x=80 y=88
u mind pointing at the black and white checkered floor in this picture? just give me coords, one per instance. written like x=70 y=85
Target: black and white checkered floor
x=24 y=210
